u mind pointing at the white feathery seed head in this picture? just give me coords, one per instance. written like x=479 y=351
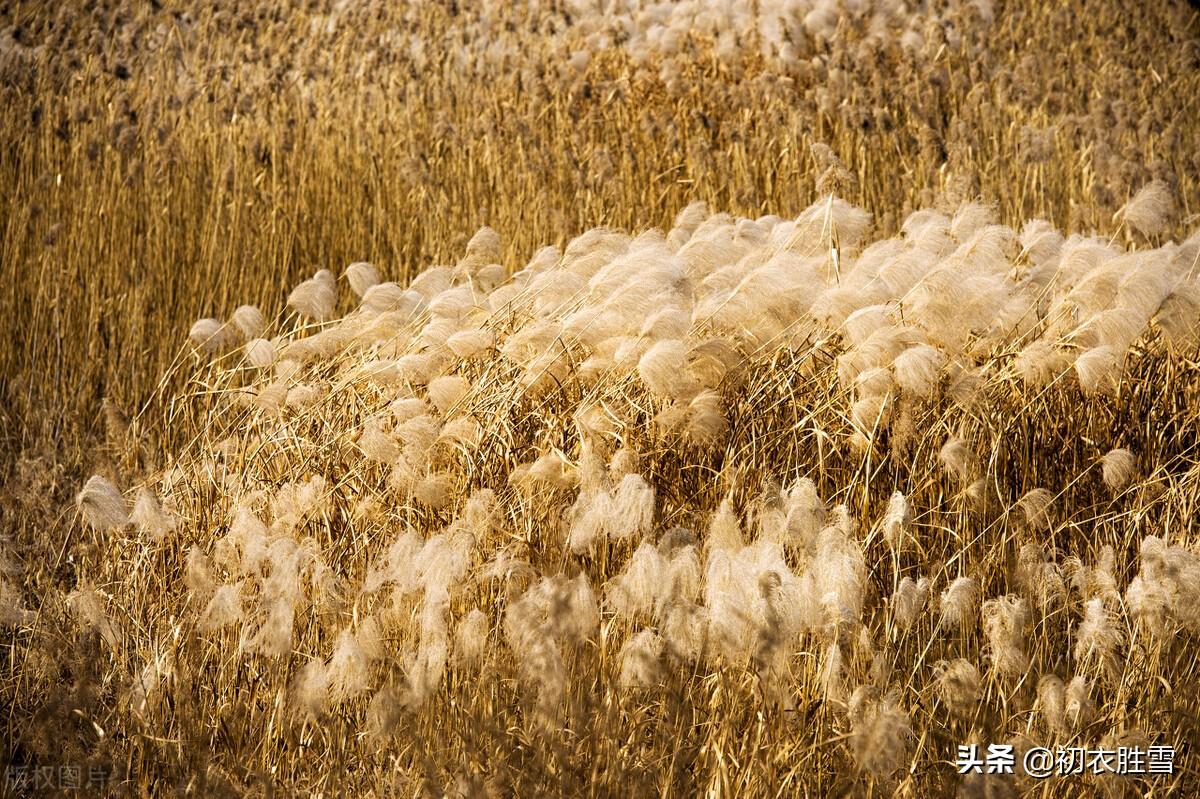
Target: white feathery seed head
x=589 y=519
x=362 y=277
x=1039 y=579
x=484 y=247
x=87 y=608
x=909 y=601
x=150 y=519
x=636 y=590
x=488 y=277
x=1098 y=580
x=261 y=353
x=706 y=424
x=874 y=382
x=1078 y=706
x=958 y=459
x=102 y=505
x=1040 y=362
x=641 y=660
x=391 y=298
x=1035 y=507
x=223 y=609
x=881 y=737
x=446 y=391
x=724 y=530
x=959 y=685
x=432 y=281
x=271 y=397
x=197 y=574
x=1151 y=210
x=310 y=689
x=378 y=445
x=470 y=342
x=661 y=367
x=1039 y=241
x=916 y=370
x=1179 y=315
x=462 y=430
x=249 y=321
x=864 y=322
x=685 y=631
x=348 y=668
x=839 y=572
x=1005 y=620
x=407 y=408
x=1150 y=603
x=471 y=638
x=1099 y=369
x=870 y=414
x=1051 y=704
x=315 y=298
x=553 y=469
x=1097 y=638
x=1119 y=469
x=804 y=514
x=209 y=335
x=632 y=508
x=896 y=521
x=958 y=602
x=12 y=610
x=832 y=676
x=305 y=394
x=433 y=490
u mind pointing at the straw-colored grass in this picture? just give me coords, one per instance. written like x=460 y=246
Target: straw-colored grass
x=887 y=447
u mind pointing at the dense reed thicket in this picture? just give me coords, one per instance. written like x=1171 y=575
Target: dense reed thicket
x=597 y=399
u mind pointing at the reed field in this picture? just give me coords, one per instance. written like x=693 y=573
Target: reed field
x=613 y=398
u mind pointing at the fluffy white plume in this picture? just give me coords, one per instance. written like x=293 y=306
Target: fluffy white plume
x=447 y=391
x=641 y=660
x=896 y=521
x=87 y=607
x=959 y=685
x=210 y=335
x=662 y=366
x=959 y=601
x=316 y=297
x=632 y=508
x=470 y=342
x=909 y=601
x=1151 y=209
x=149 y=517
x=1119 y=469
x=102 y=505
x=1005 y=620
x=958 y=459
x=916 y=370
x=249 y=321
x=1097 y=638
x=12 y=610
x=261 y=353
x=470 y=638
x=362 y=277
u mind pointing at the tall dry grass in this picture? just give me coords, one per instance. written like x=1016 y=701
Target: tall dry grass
x=166 y=165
